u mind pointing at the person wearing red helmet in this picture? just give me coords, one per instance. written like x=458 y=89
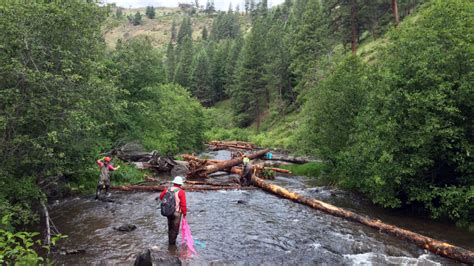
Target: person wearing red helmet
x=104 y=179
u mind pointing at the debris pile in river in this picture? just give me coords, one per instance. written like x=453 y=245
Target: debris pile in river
x=230 y=145
x=201 y=168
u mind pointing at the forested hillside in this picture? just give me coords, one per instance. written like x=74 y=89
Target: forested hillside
x=381 y=91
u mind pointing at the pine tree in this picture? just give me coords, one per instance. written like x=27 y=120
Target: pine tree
x=310 y=38
x=136 y=19
x=150 y=12
x=210 y=7
x=278 y=76
x=204 y=34
x=119 y=13
x=184 y=67
x=173 y=31
x=170 y=63
x=231 y=62
x=346 y=20
x=185 y=30
x=248 y=92
x=218 y=69
x=201 y=79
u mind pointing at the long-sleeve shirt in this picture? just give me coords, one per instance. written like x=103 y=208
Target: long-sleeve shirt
x=181 y=196
x=109 y=166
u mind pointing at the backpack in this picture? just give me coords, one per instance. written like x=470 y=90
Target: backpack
x=168 y=204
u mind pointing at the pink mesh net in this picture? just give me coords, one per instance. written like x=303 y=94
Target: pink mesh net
x=186 y=237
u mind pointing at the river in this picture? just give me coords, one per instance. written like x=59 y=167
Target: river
x=261 y=229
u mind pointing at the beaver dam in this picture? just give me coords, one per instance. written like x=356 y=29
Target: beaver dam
x=250 y=226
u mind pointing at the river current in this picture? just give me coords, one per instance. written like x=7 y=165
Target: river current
x=244 y=228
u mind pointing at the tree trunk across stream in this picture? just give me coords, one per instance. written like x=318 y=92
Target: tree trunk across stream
x=251 y=227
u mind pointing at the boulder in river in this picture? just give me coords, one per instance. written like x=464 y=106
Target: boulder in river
x=155 y=257
x=126 y=227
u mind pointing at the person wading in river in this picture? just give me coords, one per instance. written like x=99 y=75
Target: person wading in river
x=104 y=179
x=247 y=171
x=174 y=219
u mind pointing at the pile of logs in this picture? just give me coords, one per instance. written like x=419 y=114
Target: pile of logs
x=201 y=168
x=226 y=145
x=135 y=154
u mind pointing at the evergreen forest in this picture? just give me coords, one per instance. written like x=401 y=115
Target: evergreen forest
x=381 y=91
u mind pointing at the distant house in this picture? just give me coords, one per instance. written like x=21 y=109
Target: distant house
x=186 y=6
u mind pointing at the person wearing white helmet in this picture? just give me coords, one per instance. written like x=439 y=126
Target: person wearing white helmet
x=174 y=220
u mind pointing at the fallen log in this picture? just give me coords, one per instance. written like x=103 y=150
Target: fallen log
x=203 y=171
x=274 y=169
x=289 y=159
x=192 y=188
x=229 y=147
x=207 y=183
x=233 y=144
x=189 y=157
x=433 y=245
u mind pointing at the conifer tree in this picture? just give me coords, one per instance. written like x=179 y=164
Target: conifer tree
x=204 y=34
x=219 y=74
x=231 y=62
x=310 y=38
x=185 y=30
x=248 y=92
x=173 y=31
x=277 y=75
x=184 y=67
x=170 y=63
x=150 y=12
x=201 y=79
x=136 y=19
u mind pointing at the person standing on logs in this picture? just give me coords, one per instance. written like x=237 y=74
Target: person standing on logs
x=175 y=198
x=247 y=171
x=104 y=179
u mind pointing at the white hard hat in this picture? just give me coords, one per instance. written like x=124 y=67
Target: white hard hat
x=178 y=180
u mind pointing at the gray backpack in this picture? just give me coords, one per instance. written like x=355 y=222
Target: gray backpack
x=168 y=204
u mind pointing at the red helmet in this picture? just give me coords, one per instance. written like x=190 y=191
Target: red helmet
x=107 y=159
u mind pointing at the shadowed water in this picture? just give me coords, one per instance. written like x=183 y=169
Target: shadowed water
x=265 y=229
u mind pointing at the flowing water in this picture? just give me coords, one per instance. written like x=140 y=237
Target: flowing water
x=261 y=229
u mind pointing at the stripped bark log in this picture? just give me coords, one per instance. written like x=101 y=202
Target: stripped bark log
x=203 y=171
x=219 y=145
x=47 y=238
x=189 y=157
x=192 y=188
x=433 y=245
x=274 y=169
x=228 y=147
x=290 y=159
x=207 y=183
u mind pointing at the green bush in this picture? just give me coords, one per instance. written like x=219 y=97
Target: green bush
x=413 y=141
x=313 y=169
x=170 y=120
x=128 y=174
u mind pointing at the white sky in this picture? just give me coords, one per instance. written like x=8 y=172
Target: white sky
x=220 y=4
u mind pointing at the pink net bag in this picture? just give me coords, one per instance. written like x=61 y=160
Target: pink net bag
x=186 y=237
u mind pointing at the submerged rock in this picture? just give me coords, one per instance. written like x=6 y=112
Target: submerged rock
x=155 y=257
x=126 y=227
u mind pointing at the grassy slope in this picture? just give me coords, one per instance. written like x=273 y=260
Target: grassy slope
x=157 y=29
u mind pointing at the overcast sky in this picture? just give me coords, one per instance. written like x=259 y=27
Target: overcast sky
x=220 y=4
